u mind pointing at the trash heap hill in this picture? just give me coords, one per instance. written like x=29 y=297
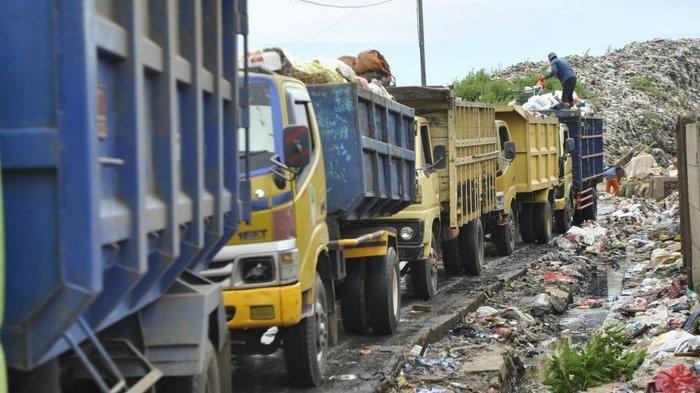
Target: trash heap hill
x=639 y=90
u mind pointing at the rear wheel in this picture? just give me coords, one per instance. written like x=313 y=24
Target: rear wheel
x=225 y=367
x=306 y=343
x=353 y=298
x=542 y=222
x=424 y=274
x=504 y=235
x=384 y=292
x=471 y=247
x=525 y=223
x=205 y=382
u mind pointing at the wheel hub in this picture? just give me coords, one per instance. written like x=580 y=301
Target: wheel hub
x=321 y=330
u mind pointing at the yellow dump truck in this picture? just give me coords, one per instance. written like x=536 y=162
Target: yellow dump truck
x=529 y=183
x=460 y=152
x=324 y=159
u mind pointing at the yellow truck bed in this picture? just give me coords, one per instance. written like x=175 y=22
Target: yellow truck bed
x=468 y=183
x=536 y=138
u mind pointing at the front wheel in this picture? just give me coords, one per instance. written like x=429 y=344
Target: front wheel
x=525 y=223
x=306 y=343
x=383 y=275
x=424 y=274
x=504 y=235
x=564 y=218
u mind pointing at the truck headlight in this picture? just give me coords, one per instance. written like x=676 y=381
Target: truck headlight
x=257 y=270
x=406 y=233
x=289 y=266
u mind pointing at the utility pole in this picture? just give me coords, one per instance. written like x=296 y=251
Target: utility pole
x=421 y=43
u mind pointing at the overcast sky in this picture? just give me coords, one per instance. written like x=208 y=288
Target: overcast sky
x=462 y=35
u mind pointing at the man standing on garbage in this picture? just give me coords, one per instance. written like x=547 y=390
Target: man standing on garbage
x=566 y=75
x=613 y=176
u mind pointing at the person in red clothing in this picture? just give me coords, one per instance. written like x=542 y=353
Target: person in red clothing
x=612 y=179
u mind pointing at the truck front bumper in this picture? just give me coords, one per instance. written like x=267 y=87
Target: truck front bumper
x=263 y=307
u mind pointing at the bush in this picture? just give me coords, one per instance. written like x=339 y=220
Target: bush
x=602 y=359
x=645 y=83
x=482 y=86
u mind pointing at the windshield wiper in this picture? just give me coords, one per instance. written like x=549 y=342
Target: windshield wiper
x=253 y=153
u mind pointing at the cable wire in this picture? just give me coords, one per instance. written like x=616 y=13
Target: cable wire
x=345 y=6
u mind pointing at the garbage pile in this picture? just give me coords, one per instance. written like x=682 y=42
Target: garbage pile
x=484 y=351
x=639 y=171
x=368 y=69
x=656 y=307
x=552 y=101
x=640 y=88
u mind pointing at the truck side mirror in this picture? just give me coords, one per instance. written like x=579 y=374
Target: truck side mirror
x=297 y=146
x=509 y=150
x=439 y=157
x=569 y=145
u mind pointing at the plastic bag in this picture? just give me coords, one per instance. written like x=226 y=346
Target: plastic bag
x=676 y=341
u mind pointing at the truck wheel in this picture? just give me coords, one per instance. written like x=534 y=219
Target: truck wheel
x=563 y=218
x=450 y=257
x=306 y=343
x=206 y=382
x=471 y=247
x=525 y=223
x=542 y=222
x=353 y=298
x=384 y=292
x=225 y=366
x=504 y=236
x=424 y=274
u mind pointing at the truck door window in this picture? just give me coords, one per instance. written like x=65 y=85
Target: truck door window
x=263 y=126
x=425 y=144
x=503 y=136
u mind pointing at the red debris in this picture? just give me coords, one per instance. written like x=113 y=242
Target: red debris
x=551 y=276
x=675 y=379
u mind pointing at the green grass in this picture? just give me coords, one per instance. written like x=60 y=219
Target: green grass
x=646 y=84
x=604 y=358
x=483 y=86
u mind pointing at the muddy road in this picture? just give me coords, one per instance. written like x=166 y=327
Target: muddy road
x=421 y=322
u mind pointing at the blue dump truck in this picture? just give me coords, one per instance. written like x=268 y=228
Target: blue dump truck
x=119 y=125
x=586 y=162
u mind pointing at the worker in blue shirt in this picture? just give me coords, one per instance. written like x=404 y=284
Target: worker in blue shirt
x=566 y=75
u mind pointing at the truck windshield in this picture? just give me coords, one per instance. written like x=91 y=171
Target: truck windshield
x=264 y=125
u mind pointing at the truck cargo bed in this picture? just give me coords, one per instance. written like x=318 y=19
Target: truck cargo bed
x=106 y=114
x=587 y=158
x=368 y=149
x=537 y=140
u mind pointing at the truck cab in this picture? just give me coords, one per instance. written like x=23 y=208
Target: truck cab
x=505 y=231
x=418 y=226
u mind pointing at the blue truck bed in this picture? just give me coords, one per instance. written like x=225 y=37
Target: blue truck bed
x=587 y=158
x=106 y=114
x=369 y=151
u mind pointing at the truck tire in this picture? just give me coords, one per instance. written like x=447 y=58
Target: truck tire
x=504 y=235
x=542 y=222
x=424 y=274
x=225 y=366
x=471 y=247
x=383 y=279
x=353 y=298
x=205 y=382
x=305 y=344
x=525 y=223
x=450 y=257
x=564 y=218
